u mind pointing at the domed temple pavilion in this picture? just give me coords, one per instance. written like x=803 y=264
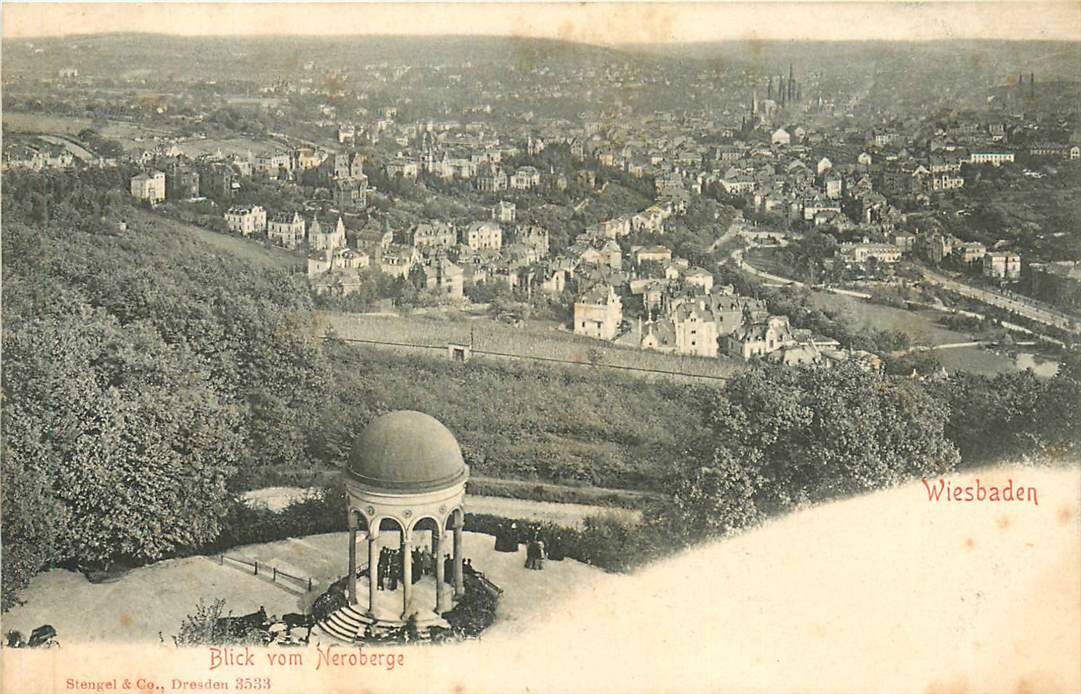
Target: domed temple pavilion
x=405 y=482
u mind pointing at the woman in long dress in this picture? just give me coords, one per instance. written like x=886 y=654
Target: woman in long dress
x=530 y=555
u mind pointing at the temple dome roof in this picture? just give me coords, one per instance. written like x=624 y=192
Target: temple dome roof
x=407 y=452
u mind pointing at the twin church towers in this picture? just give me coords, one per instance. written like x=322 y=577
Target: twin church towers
x=780 y=92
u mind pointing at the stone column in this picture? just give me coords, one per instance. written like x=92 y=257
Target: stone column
x=373 y=571
x=407 y=573
x=351 y=582
x=440 y=574
x=459 y=584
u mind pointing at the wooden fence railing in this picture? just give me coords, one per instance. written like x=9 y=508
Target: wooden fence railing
x=274 y=572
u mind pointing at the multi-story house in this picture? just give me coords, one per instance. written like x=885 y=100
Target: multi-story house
x=938 y=247
x=758 y=338
x=969 y=253
x=611 y=228
x=695 y=331
x=427 y=235
x=605 y=255
x=404 y=168
x=182 y=184
x=398 y=260
x=149 y=187
x=273 y=164
x=328 y=260
x=491 y=179
x=832 y=185
x=246 y=221
x=1002 y=265
x=534 y=236
x=484 y=235
x=598 y=313
x=328 y=239
x=344 y=166
x=443 y=276
x=651 y=254
x=995 y=157
x=216 y=181
x=947 y=181
x=286 y=229
x=649 y=220
x=699 y=277
x=305 y=158
x=860 y=253
x=350 y=193
x=504 y=212
x=525 y=178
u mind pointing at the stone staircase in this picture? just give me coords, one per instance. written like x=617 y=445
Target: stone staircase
x=347 y=624
x=344 y=624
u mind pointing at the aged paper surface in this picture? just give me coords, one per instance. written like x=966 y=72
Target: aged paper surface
x=636 y=347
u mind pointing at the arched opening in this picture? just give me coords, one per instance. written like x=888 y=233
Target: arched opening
x=432 y=558
x=455 y=519
x=453 y=526
x=386 y=523
x=426 y=529
x=359 y=521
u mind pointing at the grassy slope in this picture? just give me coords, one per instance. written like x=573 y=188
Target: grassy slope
x=245 y=249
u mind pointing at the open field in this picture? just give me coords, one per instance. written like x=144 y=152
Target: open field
x=541 y=342
x=921 y=326
x=227 y=146
x=765 y=258
x=988 y=361
x=130 y=135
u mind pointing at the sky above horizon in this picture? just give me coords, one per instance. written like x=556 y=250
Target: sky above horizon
x=599 y=23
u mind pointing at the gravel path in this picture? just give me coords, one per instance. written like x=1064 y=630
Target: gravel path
x=570 y=515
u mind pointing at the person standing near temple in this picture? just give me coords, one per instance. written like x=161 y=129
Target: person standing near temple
x=530 y=554
x=394 y=569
